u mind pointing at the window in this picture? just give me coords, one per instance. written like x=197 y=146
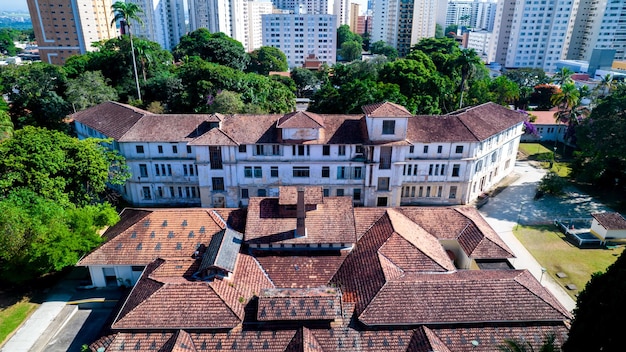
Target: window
x=244 y=193
x=455 y=170
x=339 y=192
x=389 y=127
x=341 y=172
x=357 y=173
x=160 y=192
x=301 y=150
x=326 y=192
x=439 y=149
x=439 y=191
x=260 y=150
x=258 y=172
x=385 y=158
x=215 y=157
x=425 y=149
x=156 y=170
x=300 y=171
x=458 y=149
x=383 y=183
x=247 y=171
x=143 y=170
x=342 y=150
x=172 y=194
x=242 y=148
x=188 y=149
x=430 y=169
x=411 y=149
x=274 y=171
x=325 y=150
x=175 y=149
x=169 y=169
x=139 y=149
x=427 y=191
x=325 y=171
x=217 y=183
x=356 y=194
x=146 y=193
x=160 y=149
x=381 y=202
x=479 y=165
x=185 y=172
x=276 y=149
x=261 y=192
x=452 y=193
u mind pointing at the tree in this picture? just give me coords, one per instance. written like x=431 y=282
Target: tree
x=451 y=30
x=380 y=47
x=267 y=59
x=600 y=311
x=305 y=80
x=547 y=345
x=542 y=96
x=351 y=50
x=527 y=79
x=212 y=47
x=7 y=47
x=438 y=31
x=605 y=87
x=90 y=89
x=227 y=102
x=128 y=11
x=286 y=81
x=344 y=34
x=563 y=76
x=6 y=126
x=467 y=62
x=58 y=167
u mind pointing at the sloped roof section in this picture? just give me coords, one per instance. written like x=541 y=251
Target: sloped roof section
x=181 y=342
x=610 y=221
x=170 y=128
x=320 y=303
x=425 y=340
x=488 y=119
x=214 y=137
x=110 y=118
x=222 y=251
x=300 y=119
x=288 y=195
x=303 y=270
x=386 y=109
x=462 y=297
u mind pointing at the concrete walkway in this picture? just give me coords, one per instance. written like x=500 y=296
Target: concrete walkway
x=515 y=205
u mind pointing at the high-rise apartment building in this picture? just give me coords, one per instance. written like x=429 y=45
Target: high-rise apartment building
x=340 y=8
x=301 y=35
x=532 y=33
x=600 y=24
x=354 y=17
x=163 y=21
x=68 y=27
x=402 y=23
x=478 y=14
x=254 y=28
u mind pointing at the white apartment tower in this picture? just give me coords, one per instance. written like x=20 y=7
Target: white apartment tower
x=68 y=27
x=478 y=14
x=600 y=24
x=532 y=33
x=340 y=8
x=301 y=35
x=163 y=21
x=254 y=30
x=402 y=23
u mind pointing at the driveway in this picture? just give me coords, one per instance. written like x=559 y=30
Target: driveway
x=515 y=205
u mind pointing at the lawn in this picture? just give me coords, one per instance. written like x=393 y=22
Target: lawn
x=554 y=253
x=12 y=316
x=532 y=149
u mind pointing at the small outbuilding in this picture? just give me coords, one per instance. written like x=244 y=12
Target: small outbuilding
x=608 y=226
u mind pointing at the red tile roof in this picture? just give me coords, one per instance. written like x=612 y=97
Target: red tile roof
x=463 y=297
x=610 y=221
x=288 y=195
x=386 y=109
x=111 y=119
x=300 y=119
x=320 y=303
x=170 y=128
x=302 y=270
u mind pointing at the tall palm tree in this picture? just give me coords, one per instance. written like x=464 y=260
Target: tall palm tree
x=606 y=86
x=567 y=98
x=563 y=76
x=127 y=11
x=467 y=62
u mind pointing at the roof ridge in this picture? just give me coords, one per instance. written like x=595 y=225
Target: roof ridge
x=226 y=303
x=554 y=303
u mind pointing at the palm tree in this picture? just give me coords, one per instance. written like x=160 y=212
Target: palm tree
x=547 y=345
x=567 y=98
x=467 y=62
x=606 y=86
x=127 y=11
x=563 y=76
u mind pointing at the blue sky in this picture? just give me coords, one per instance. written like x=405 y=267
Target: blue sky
x=12 y=5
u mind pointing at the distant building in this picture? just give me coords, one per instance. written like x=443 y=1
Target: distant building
x=477 y=14
x=163 y=21
x=254 y=10
x=598 y=25
x=354 y=17
x=479 y=41
x=300 y=35
x=68 y=27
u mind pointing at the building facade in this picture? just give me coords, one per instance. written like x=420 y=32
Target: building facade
x=529 y=34
x=302 y=35
x=163 y=21
x=386 y=157
x=68 y=27
x=478 y=14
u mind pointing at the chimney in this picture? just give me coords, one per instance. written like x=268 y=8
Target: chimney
x=300 y=214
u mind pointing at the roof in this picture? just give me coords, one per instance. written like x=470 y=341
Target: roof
x=386 y=109
x=142 y=235
x=170 y=128
x=110 y=118
x=222 y=251
x=321 y=303
x=545 y=117
x=288 y=195
x=610 y=221
x=300 y=119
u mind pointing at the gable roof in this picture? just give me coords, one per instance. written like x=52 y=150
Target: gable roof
x=320 y=303
x=386 y=109
x=170 y=127
x=300 y=119
x=610 y=221
x=110 y=118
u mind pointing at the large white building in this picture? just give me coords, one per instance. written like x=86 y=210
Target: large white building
x=599 y=25
x=163 y=21
x=301 y=35
x=532 y=33
x=402 y=24
x=340 y=8
x=384 y=157
x=478 y=14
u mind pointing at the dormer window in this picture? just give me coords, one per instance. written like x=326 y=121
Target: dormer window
x=389 y=127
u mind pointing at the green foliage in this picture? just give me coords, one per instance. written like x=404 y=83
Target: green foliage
x=350 y=97
x=88 y=90
x=212 y=47
x=504 y=91
x=267 y=59
x=599 y=312
x=381 y=48
x=351 y=50
x=542 y=96
x=450 y=30
x=7 y=47
x=304 y=79
x=227 y=102
x=36 y=93
x=438 y=31
x=58 y=167
x=286 y=81
x=552 y=183
x=344 y=34
x=6 y=126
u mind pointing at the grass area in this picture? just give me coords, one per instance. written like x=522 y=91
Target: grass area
x=562 y=169
x=12 y=316
x=531 y=149
x=554 y=253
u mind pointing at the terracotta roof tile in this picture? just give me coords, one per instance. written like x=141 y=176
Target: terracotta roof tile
x=110 y=118
x=302 y=270
x=155 y=233
x=214 y=137
x=319 y=303
x=488 y=119
x=288 y=195
x=425 y=340
x=386 y=109
x=610 y=221
x=331 y=222
x=183 y=343
x=465 y=296
x=390 y=270
x=139 y=341
x=300 y=119
x=170 y=128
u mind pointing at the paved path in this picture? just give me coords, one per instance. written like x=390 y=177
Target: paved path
x=515 y=205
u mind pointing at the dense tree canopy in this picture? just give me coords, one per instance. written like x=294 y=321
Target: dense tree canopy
x=212 y=47
x=382 y=48
x=89 y=89
x=267 y=59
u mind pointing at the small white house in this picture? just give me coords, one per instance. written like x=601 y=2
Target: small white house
x=608 y=226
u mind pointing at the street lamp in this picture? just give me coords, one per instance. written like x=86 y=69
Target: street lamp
x=543 y=271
